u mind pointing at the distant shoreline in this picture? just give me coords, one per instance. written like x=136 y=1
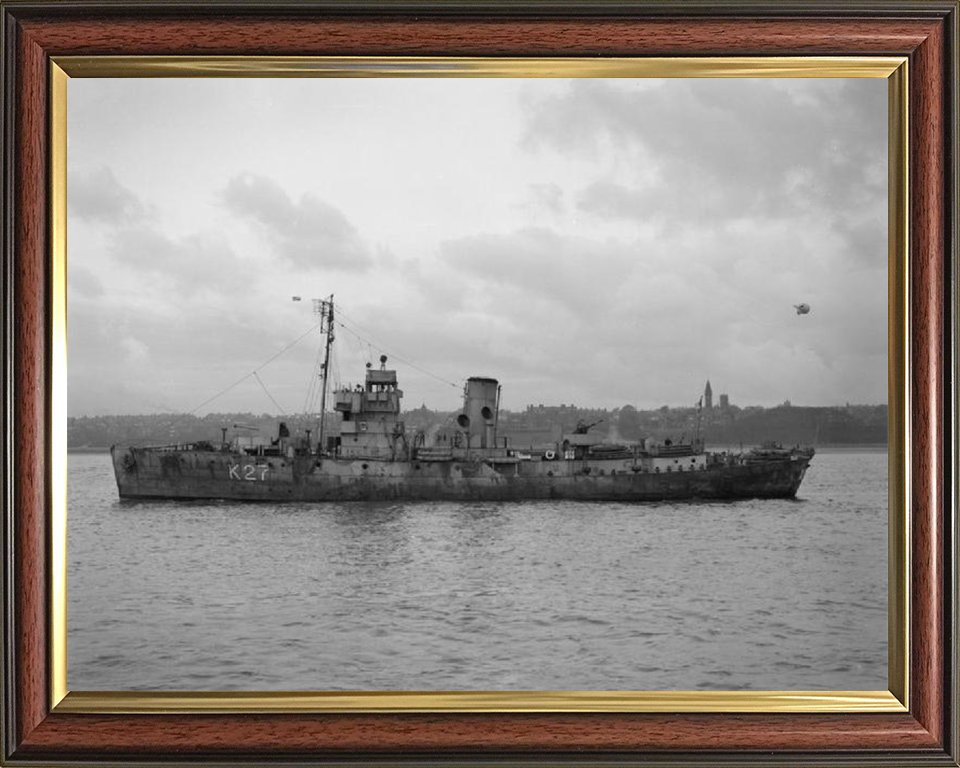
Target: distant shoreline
x=853 y=448
x=833 y=448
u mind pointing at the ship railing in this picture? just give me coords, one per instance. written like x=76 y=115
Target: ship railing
x=197 y=445
x=433 y=454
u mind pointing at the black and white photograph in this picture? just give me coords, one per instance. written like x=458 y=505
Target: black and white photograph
x=477 y=384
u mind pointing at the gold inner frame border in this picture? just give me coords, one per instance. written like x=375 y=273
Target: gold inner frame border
x=895 y=699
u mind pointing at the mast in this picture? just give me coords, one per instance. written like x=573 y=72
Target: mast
x=324 y=308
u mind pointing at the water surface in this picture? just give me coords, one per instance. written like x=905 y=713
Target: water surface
x=760 y=595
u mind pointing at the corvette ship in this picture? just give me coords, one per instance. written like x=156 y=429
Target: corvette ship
x=373 y=456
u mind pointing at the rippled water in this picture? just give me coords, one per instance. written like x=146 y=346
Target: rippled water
x=763 y=595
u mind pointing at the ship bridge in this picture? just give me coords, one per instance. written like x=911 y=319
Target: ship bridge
x=369 y=425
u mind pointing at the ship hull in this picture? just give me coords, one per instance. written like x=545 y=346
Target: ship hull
x=148 y=473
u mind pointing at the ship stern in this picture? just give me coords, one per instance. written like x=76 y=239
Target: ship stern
x=794 y=470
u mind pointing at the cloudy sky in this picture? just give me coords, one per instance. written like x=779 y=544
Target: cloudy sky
x=597 y=242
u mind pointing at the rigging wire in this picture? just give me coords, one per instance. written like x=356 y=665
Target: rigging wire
x=314 y=387
x=395 y=356
x=264 y=387
x=335 y=373
x=254 y=372
x=238 y=382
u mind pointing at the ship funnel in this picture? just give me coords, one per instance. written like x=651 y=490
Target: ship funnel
x=479 y=417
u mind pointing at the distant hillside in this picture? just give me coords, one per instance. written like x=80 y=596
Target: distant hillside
x=787 y=424
x=536 y=425
x=166 y=428
x=793 y=424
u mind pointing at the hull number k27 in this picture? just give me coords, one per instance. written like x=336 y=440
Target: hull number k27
x=247 y=472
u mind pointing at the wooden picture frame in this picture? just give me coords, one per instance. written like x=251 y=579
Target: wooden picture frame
x=38 y=729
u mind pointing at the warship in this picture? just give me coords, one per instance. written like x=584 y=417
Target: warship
x=373 y=457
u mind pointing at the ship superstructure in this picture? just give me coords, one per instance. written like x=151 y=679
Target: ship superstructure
x=370 y=426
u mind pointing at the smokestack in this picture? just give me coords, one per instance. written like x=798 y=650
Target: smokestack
x=479 y=417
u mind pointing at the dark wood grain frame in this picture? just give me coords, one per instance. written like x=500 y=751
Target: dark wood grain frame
x=925 y=32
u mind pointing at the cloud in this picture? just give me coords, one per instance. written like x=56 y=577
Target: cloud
x=643 y=320
x=708 y=153
x=97 y=196
x=548 y=196
x=83 y=282
x=572 y=272
x=174 y=316
x=642 y=238
x=193 y=265
x=309 y=234
x=129 y=354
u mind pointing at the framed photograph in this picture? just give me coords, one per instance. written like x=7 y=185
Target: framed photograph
x=467 y=383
